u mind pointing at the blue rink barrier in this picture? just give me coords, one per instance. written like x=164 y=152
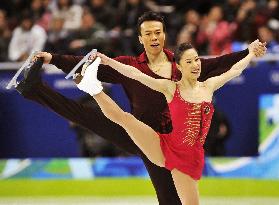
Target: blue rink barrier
x=264 y=166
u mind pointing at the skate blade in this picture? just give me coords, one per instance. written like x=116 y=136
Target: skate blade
x=13 y=82
x=85 y=58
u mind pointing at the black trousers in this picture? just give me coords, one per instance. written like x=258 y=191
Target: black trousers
x=94 y=120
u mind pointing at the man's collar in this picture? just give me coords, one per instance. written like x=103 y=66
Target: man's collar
x=142 y=58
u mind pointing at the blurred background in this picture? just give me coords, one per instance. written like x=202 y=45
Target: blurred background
x=35 y=143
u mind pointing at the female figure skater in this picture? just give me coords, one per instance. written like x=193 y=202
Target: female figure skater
x=191 y=110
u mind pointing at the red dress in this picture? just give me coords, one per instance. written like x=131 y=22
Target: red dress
x=183 y=147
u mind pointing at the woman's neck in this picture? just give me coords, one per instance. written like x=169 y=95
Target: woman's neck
x=188 y=83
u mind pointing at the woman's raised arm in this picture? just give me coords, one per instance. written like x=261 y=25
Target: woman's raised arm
x=160 y=85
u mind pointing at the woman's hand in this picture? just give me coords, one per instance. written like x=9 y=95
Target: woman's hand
x=257 y=48
x=104 y=59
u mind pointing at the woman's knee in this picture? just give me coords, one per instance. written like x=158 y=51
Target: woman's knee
x=158 y=161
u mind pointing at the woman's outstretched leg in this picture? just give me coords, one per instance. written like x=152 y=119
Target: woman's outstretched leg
x=143 y=136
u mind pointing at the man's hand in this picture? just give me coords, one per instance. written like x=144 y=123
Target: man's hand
x=257 y=48
x=45 y=55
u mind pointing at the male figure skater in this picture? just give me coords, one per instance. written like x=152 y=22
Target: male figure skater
x=147 y=105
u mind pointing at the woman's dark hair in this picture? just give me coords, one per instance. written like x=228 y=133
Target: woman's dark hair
x=180 y=49
x=150 y=16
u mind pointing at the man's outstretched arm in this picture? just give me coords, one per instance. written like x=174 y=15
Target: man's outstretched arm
x=216 y=66
x=67 y=62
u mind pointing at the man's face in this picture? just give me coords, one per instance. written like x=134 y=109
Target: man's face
x=152 y=36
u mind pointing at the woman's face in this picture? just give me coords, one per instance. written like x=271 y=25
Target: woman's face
x=190 y=64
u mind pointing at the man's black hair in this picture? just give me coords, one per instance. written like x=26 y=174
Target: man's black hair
x=150 y=16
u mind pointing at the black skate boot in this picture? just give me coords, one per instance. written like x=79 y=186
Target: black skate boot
x=31 y=75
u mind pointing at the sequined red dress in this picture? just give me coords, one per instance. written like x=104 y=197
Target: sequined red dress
x=183 y=147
